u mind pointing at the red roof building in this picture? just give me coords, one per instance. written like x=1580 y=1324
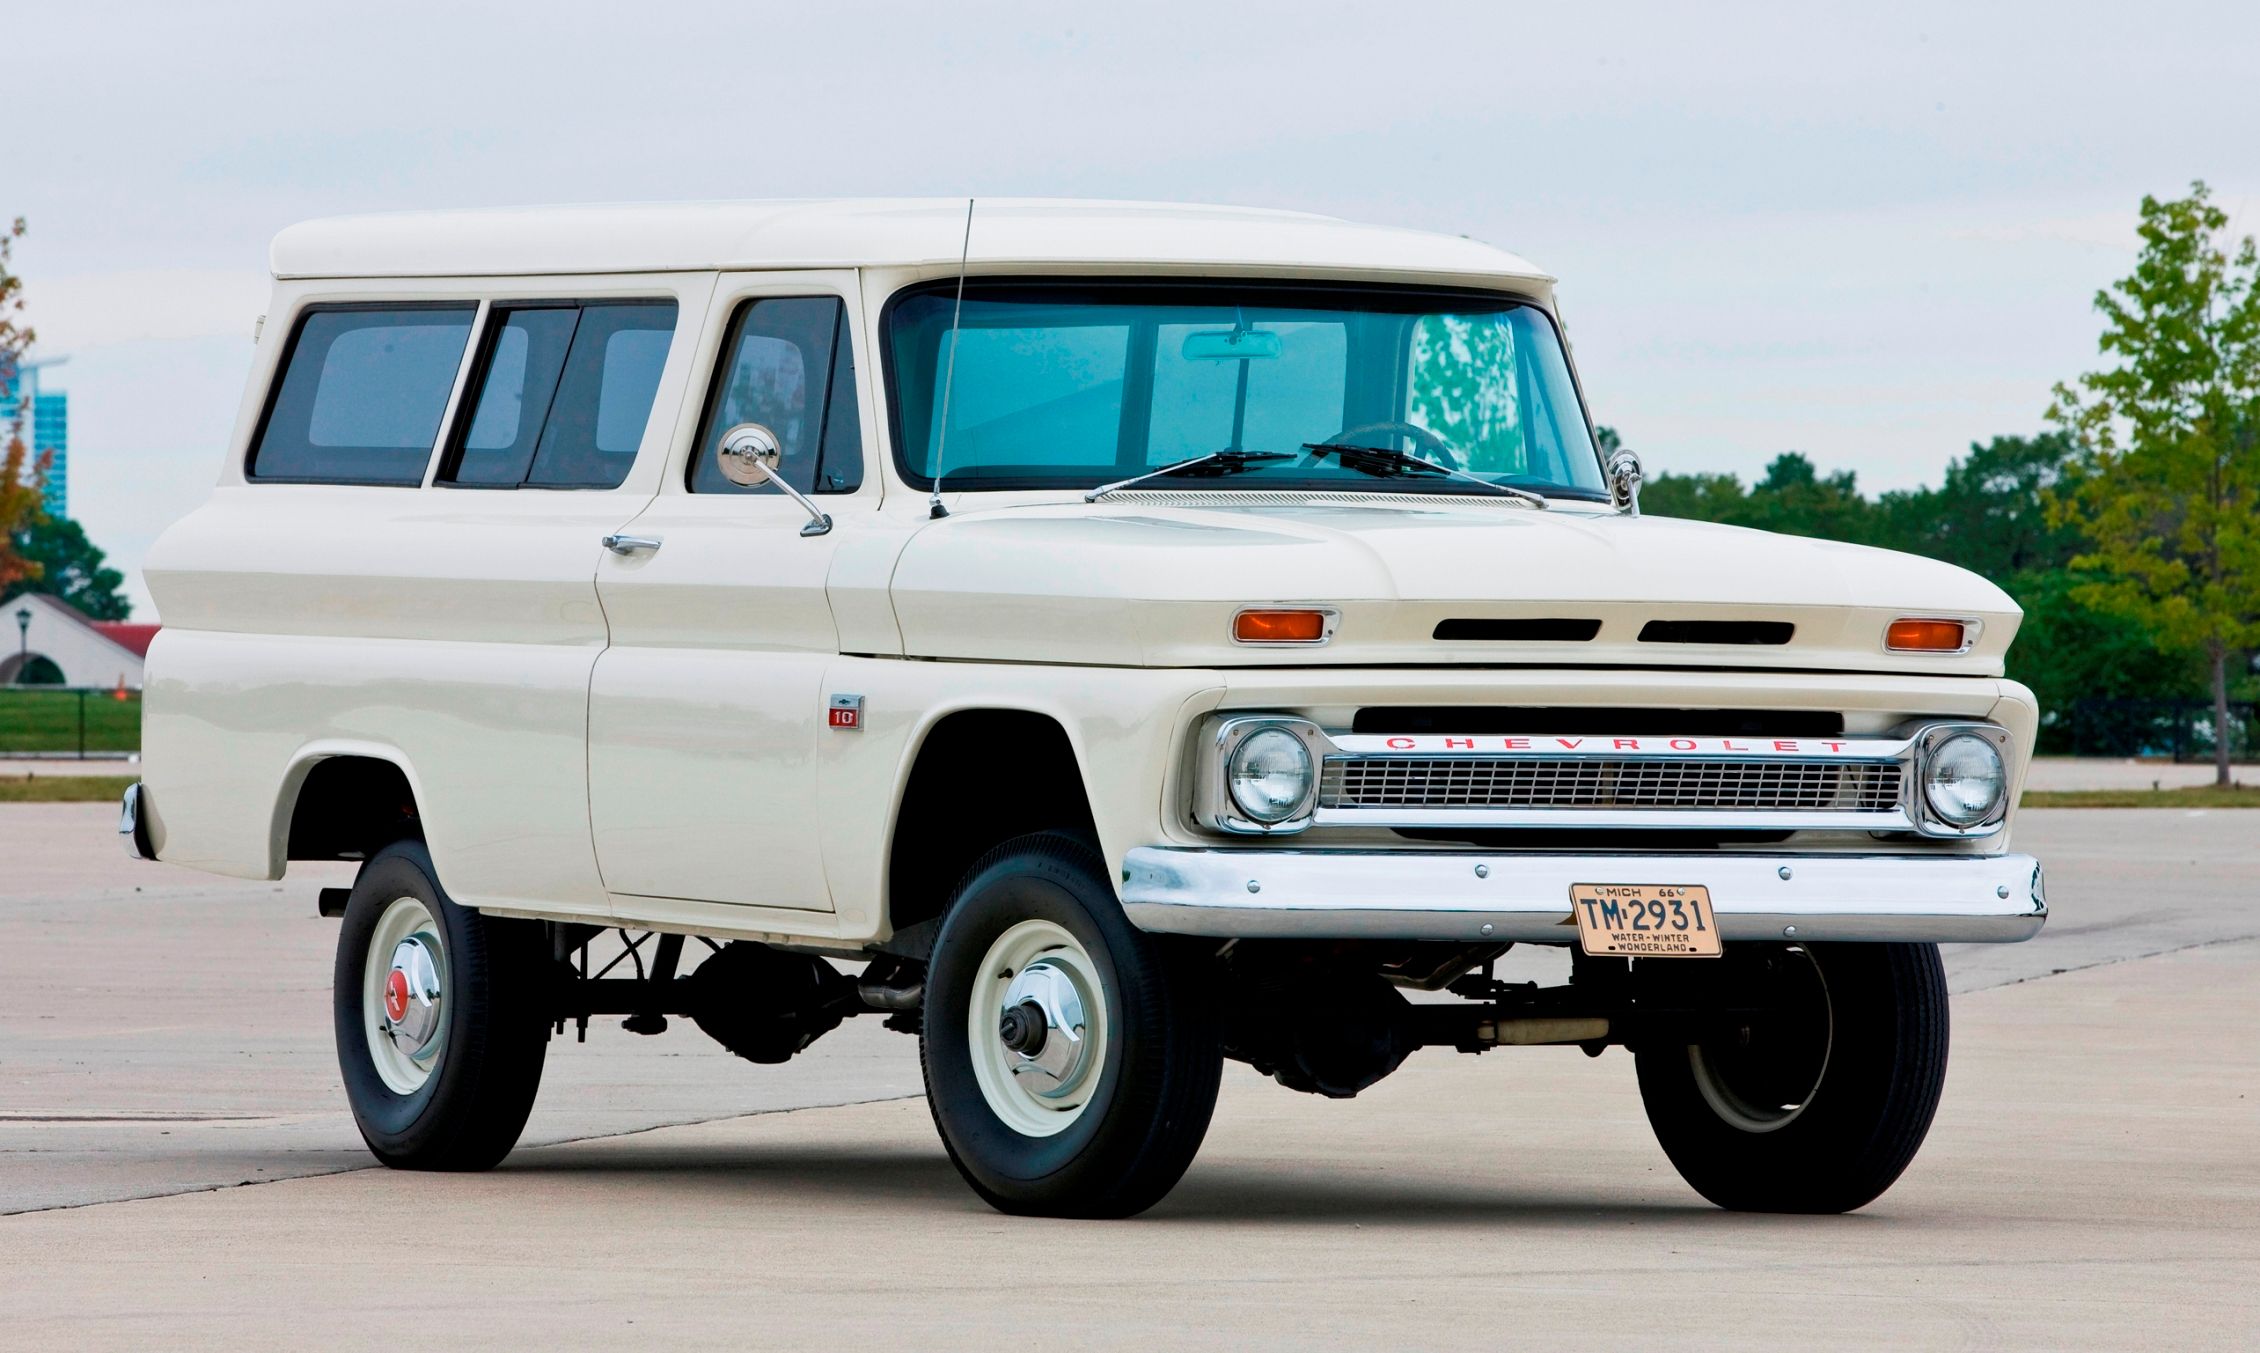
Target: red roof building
x=127 y=634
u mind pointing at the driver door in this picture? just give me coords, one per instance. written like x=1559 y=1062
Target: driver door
x=703 y=712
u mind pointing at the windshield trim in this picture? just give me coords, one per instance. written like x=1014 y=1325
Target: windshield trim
x=968 y=479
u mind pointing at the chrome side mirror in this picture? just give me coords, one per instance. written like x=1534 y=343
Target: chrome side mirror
x=750 y=454
x=1624 y=481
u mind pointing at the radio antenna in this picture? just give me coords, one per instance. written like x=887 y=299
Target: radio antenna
x=934 y=508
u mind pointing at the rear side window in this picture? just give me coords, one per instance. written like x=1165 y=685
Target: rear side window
x=791 y=366
x=362 y=392
x=561 y=396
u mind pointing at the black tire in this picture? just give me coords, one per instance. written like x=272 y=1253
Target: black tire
x=1863 y=1066
x=1156 y=1079
x=469 y=1111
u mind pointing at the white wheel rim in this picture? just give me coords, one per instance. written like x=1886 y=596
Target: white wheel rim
x=404 y=995
x=1753 y=1117
x=1038 y=964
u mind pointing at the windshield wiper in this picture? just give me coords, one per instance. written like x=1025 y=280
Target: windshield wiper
x=1213 y=464
x=1388 y=463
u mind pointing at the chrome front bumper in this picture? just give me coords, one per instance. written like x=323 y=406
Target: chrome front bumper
x=1474 y=897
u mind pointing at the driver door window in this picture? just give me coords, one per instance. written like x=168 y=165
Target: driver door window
x=789 y=366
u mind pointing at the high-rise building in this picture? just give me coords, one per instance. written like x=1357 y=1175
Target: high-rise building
x=47 y=429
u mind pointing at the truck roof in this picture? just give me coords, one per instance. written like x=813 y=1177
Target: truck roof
x=1038 y=234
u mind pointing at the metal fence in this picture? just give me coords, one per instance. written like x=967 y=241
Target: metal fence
x=2180 y=729
x=69 y=722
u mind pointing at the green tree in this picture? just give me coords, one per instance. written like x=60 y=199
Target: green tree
x=1698 y=497
x=19 y=474
x=1797 y=499
x=70 y=568
x=1793 y=498
x=2167 y=490
x=1991 y=514
x=2068 y=651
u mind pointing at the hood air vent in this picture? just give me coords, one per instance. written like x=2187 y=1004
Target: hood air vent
x=1716 y=632
x=1548 y=631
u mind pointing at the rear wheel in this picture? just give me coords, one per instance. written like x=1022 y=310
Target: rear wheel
x=1818 y=1100
x=1071 y=1059
x=440 y=1025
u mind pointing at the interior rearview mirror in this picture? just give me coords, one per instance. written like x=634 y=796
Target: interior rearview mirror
x=1230 y=345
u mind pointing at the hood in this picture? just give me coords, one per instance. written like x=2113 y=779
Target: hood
x=1152 y=583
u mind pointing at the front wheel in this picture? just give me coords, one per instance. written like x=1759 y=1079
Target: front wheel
x=1071 y=1059
x=440 y=1024
x=1817 y=1097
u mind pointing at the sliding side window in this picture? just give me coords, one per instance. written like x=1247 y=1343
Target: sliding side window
x=789 y=365
x=561 y=396
x=362 y=392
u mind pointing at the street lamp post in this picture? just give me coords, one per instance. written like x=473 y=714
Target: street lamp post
x=23 y=641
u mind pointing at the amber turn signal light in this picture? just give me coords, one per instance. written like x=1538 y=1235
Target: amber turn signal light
x=1280 y=627
x=1924 y=636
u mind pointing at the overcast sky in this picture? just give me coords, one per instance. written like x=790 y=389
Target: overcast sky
x=1870 y=233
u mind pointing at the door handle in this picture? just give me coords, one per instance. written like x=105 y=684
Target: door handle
x=620 y=544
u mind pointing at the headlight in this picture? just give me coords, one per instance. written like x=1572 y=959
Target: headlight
x=1269 y=775
x=1964 y=780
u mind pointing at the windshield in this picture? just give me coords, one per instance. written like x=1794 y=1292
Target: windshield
x=1075 y=384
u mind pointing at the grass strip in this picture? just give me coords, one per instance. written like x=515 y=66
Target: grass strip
x=63 y=788
x=2189 y=796
x=37 y=720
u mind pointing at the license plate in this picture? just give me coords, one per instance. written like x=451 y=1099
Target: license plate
x=1645 y=920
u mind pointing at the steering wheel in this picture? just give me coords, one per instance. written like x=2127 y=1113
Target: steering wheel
x=1432 y=447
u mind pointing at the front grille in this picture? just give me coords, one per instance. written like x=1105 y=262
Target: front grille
x=1754 y=785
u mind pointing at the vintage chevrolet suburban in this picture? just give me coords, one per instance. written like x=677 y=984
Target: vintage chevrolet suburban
x=1098 y=639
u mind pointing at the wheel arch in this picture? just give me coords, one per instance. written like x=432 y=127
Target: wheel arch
x=965 y=788
x=344 y=800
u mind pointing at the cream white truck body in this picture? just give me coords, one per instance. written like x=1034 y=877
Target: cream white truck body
x=642 y=739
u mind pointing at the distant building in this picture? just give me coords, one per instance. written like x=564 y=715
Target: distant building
x=48 y=640
x=47 y=429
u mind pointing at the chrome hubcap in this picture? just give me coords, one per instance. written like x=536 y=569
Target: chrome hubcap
x=404 y=995
x=413 y=996
x=1037 y=1028
x=1042 y=1030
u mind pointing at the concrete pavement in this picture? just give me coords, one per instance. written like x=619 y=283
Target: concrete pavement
x=163 y=1030
x=2090 y=1182
x=99 y=763
x=2100 y=772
